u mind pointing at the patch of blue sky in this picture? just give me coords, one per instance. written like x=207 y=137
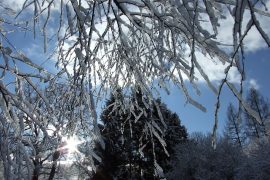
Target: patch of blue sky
x=257 y=67
x=257 y=71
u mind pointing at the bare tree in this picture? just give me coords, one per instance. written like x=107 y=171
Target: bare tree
x=25 y=149
x=261 y=106
x=234 y=129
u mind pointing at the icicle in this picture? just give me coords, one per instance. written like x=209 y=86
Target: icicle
x=161 y=140
x=137 y=117
x=90 y=102
x=92 y=153
x=260 y=29
x=245 y=105
x=160 y=114
x=211 y=86
x=212 y=15
x=79 y=54
x=159 y=171
x=19 y=87
x=157 y=127
x=189 y=99
x=70 y=22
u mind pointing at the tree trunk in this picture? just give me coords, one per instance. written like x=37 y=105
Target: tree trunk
x=55 y=158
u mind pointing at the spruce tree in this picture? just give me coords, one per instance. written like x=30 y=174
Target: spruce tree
x=131 y=151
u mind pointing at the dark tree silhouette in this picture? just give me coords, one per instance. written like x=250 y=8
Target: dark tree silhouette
x=259 y=104
x=234 y=129
x=197 y=160
x=131 y=150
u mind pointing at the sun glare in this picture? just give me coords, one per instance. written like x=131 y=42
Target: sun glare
x=72 y=144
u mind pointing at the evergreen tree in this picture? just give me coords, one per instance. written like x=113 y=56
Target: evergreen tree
x=132 y=151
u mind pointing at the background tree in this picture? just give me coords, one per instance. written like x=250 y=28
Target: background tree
x=121 y=157
x=254 y=163
x=255 y=129
x=31 y=153
x=242 y=128
x=24 y=144
x=197 y=160
x=234 y=129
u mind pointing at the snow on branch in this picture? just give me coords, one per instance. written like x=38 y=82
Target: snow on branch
x=104 y=45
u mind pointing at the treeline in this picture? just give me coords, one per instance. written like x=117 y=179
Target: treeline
x=242 y=152
x=245 y=130
x=143 y=139
x=197 y=160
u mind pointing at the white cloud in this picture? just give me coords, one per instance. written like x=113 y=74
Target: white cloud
x=215 y=69
x=253 y=84
x=253 y=41
x=17 y=5
x=212 y=67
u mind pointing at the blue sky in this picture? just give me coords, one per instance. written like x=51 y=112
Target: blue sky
x=257 y=74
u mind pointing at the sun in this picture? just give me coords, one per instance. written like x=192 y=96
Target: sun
x=72 y=144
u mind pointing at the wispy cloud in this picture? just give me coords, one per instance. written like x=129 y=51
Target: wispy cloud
x=252 y=83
